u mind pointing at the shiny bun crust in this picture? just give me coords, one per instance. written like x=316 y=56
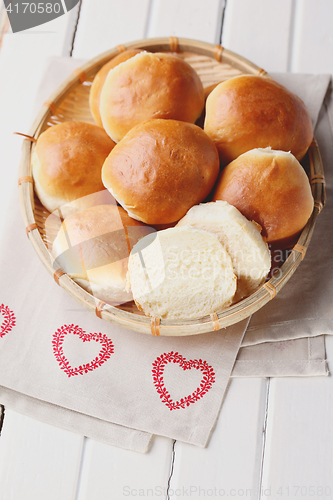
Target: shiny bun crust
x=67 y=162
x=161 y=169
x=249 y=111
x=271 y=188
x=97 y=85
x=150 y=86
x=93 y=247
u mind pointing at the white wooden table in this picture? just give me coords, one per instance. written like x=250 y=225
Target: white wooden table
x=273 y=436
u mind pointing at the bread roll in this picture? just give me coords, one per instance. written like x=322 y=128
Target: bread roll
x=67 y=163
x=248 y=112
x=271 y=188
x=181 y=272
x=241 y=238
x=97 y=85
x=149 y=86
x=160 y=169
x=93 y=246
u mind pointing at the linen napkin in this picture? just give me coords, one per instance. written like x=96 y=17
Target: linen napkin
x=54 y=351
x=52 y=365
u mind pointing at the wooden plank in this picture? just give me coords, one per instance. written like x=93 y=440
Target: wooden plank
x=298 y=455
x=259 y=30
x=230 y=465
x=187 y=19
x=108 y=23
x=109 y=472
x=37 y=461
x=312 y=47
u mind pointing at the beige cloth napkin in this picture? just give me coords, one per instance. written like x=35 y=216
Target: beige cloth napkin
x=127 y=395
x=90 y=372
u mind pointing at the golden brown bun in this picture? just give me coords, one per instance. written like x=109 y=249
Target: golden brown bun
x=150 y=86
x=67 y=162
x=161 y=169
x=248 y=112
x=96 y=88
x=271 y=188
x=93 y=247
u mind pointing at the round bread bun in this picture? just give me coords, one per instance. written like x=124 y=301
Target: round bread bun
x=181 y=272
x=150 y=86
x=93 y=246
x=160 y=169
x=96 y=88
x=248 y=112
x=67 y=163
x=241 y=238
x=271 y=188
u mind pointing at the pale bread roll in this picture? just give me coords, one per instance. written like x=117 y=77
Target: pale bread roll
x=97 y=85
x=181 y=273
x=93 y=246
x=271 y=188
x=249 y=111
x=241 y=238
x=67 y=163
x=149 y=86
x=160 y=169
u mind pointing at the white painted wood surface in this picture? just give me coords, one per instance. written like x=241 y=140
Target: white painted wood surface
x=106 y=24
x=37 y=461
x=187 y=19
x=261 y=31
x=298 y=455
x=295 y=449
x=109 y=472
x=232 y=461
x=312 y=40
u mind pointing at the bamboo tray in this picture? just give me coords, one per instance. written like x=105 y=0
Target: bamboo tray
x=70 y=102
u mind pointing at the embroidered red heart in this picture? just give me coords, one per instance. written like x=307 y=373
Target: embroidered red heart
x=104 y=354
x=9 y=320
x=206 y=383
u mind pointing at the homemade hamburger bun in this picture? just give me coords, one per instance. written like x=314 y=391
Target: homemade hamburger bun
x=248 y=111
x=67 y=163
x=160 y=169
x=96 y=88
x=241 y=238
x=149 y=86
x=93 y=246
x=271 y=188
x=181 y=272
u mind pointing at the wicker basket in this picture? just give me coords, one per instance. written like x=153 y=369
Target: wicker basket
x=70 y=102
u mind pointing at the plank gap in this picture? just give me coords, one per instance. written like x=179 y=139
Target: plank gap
x=75 y=28
x=292 y=35
x=149 y=18
x=2 y=417
x=219 y=30
x=173 y=455
x=80 y=472
x=264 y=433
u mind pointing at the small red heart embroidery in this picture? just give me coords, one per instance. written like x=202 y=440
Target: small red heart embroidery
x=173 y=357
x=9 y=320
x=104 y=354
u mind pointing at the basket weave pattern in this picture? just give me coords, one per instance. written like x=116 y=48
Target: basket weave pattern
x=71 y=102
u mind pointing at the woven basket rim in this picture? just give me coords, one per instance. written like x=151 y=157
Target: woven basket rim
x=137 y=322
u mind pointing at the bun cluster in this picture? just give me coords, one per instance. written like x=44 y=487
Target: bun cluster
x=230 y=187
